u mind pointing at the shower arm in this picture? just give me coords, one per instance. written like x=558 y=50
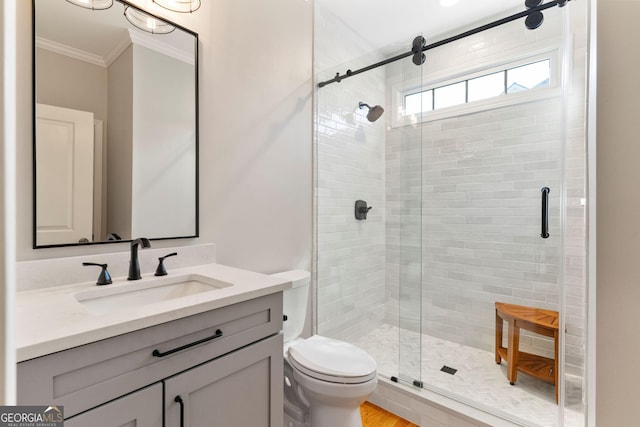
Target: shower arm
x=417 y=50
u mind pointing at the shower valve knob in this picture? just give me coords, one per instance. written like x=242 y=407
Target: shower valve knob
x=361 y=209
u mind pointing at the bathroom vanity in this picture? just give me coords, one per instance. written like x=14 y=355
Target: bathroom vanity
x=192 y=360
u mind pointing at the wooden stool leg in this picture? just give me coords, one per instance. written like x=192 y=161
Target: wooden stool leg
x=499 y=326
x=512 y=352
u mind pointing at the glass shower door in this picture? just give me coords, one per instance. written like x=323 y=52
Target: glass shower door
x=488 y=174
x=405 y=143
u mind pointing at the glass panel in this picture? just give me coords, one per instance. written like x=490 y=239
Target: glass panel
x=488 y=86
x=575 y=295
x=357 y=288
x=408 y=177
x=448 y=96
x=529 y=76
x=481 y=223
x=349 y=166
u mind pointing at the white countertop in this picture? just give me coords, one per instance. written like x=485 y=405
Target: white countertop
x=50 y=319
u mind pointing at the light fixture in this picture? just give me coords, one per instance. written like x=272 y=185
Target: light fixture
x=182 y=6
x=93 y=4
x=146 y=22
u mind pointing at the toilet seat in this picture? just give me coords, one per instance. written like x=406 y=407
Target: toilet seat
x=331 y=360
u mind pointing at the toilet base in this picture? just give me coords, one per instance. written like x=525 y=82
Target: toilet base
x=321 y=415
x=324 y=404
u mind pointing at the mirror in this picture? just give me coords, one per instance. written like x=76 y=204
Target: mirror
x=115 y=125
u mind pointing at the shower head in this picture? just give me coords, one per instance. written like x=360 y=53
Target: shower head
x=374 y=112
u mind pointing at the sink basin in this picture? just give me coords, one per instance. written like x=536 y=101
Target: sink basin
x=114 y=297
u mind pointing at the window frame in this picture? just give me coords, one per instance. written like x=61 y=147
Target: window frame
x=489 y=65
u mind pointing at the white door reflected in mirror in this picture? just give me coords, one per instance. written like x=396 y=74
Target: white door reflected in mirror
x=65 y=175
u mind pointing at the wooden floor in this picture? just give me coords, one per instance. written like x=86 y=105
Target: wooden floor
x=374 y=416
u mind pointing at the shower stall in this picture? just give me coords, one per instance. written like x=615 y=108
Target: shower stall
x=473 y=176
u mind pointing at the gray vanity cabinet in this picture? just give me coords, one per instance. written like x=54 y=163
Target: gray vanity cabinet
x=140 y=409
x=220 y=361
x=229 y=391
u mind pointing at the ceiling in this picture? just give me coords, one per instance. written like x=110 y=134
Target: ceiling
x=385 y=22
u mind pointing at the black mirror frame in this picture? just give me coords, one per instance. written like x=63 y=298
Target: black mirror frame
x=197 y=133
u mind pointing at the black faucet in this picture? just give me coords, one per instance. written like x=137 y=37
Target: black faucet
x=134 y=265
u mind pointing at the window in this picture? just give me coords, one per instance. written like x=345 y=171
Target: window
x=527 y=77
x=418 y=102
x=484 y=87
x=450 y=95
x=511 y=80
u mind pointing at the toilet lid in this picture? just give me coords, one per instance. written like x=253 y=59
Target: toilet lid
x=332 y=360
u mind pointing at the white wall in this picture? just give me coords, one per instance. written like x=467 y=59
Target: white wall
x=256 y=124
x=255 y=133
x=70 y=83
x=7 y=202
x=163 y=188
x=618 y=213
x=120 y=145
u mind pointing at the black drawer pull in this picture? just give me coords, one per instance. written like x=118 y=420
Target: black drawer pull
x=158 y=353
x=179 y=400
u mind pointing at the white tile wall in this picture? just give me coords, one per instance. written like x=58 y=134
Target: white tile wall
x=349 y=166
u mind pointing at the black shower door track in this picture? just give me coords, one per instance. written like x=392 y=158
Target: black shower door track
x=349 y=73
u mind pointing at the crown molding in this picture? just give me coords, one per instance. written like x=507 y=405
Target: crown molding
x=132 y=36
x=69 y=51
x=152 y=42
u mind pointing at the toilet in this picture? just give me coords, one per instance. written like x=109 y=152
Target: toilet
x=325 y=380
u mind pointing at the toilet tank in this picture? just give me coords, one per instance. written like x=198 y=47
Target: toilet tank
x=294 y=304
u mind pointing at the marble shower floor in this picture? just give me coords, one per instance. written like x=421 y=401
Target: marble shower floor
x=479 y=381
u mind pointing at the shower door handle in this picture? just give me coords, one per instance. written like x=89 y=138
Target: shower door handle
x=545 y=212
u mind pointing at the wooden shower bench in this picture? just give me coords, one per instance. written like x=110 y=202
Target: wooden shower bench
x=537 y=320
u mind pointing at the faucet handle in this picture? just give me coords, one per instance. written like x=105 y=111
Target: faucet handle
x=104 y=278
x=161 y=270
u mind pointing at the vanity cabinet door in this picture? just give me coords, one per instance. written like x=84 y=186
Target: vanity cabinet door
x=142 y=408
x=240 y=389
